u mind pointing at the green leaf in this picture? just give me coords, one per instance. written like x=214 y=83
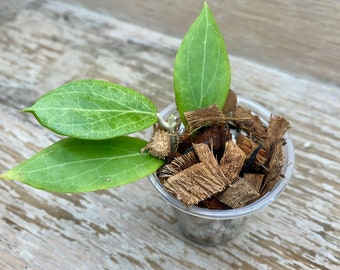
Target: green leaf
x=95 y=110
x=73 y=165
x=201 y=70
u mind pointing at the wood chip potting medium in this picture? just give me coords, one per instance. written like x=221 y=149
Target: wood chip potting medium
x=238 y=194
x=208 y=169
x=232 y=161
x=159 y=145
x=277 y=127
x=199 y=181
x=215 y=135
x=255 y=180
x=249 y=146
x=274 y=167
x=274 y=144
x=230 y=104
x=178 y=164
x=210 y=116
x=249 y=122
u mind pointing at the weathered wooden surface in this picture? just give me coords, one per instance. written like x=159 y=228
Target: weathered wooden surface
x=293 y=35
x=46 y=43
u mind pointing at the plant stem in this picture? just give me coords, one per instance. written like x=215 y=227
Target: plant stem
x=168 y=125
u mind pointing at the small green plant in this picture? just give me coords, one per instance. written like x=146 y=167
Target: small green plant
x=97 y=116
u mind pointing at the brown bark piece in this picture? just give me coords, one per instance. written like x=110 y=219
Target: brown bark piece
x=205 y=155
x=179 y=164
x=217 y=135
x=160 y=145
x=277 y=127
x=213 y=203
x=194 y=184
x=230 y=104
x=241 y=114
x=249 y=122
x=248 y=146
x=274 y=144
x=210 y=116
x=239 y=194
x=232 y=161
x=274 y=167
x=254 y=179
x=200 y=181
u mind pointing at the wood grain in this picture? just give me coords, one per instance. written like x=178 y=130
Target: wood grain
x=300 y=37
x=47 y=43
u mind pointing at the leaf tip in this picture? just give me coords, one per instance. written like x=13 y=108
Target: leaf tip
x=205 y=7
x=4 y=177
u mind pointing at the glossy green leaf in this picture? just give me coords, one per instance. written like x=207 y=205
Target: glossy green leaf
x=94 y=109
x=73 y=165
x=201 y=70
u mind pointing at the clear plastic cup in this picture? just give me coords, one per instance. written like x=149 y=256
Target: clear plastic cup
x=213 y=227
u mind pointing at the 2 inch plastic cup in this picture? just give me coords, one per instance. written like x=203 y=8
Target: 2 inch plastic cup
x=214 y=227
